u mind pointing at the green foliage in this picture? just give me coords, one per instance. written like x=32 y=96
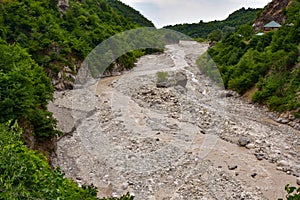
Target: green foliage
x=55 y=41
x=162 y=76
x=25 y=91
x=292 y=193
x=245 y=30
x=209 y=68
x=25 y=174
x=227 y=26
x=268 y=62
x=36 y=38
x=129 y=13
x=215 y=35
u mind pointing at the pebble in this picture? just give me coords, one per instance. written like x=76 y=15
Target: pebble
x=253 y=175
x=297 y=167
x=250 y=146
x=298 y=180
x=243 y=141
x=283 y=163
x=232 y=167
x=125 y=186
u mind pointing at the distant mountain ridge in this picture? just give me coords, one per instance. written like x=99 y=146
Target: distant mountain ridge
x=203 y=29
x=129 y=13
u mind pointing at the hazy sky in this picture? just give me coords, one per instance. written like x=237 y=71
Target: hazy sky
x=169 y=12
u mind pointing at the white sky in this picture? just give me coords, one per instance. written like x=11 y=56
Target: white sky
x=170 y=12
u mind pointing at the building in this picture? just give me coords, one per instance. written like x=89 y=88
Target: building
x=271 y=26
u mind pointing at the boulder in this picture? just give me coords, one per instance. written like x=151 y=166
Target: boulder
x=243 y=141
x=181 y=79
x=63 y=6
x=298 y=180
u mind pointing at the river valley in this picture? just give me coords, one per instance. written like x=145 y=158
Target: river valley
x=180 y=138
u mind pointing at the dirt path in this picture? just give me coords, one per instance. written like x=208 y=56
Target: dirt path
x=179 y=141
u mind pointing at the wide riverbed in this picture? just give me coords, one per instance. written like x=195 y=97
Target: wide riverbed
x=179 y=141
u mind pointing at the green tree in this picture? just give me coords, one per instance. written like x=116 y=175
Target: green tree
x=216 y=35
x=25 y=91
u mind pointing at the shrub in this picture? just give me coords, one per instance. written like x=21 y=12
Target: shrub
x=162 y=76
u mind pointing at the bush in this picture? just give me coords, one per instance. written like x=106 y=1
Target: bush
x=292 y=193
x=25 y=174
x=268 y=62
x=25 y=91
x=162 y=76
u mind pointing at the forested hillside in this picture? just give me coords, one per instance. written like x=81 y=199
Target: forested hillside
x=218 y=29
x=57 y=40
x=42 y=44
x=130 y=13
x=268 y=65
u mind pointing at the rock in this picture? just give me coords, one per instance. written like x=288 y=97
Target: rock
x=283 y=163
x=63 y=6
x=296 y=174
x=298 y=180
x=232 y=167
x=259 y=156
x=297 y=167
x=180 y=89
x=250 y=146
x=228 y=93
x=125 y=186
x=282 y=120
x=181 y=79
x=285 y=121
x=292 y=117
x=243 y=141
x=163 y=84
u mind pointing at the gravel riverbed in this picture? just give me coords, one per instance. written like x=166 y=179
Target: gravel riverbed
x=181 y=138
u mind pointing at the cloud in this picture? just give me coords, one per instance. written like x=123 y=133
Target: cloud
x=166 y=12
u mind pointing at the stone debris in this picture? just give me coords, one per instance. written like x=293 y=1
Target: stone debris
x=177 y=142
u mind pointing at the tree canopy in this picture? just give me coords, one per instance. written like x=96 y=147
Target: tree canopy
x=205 y=29
x=270 y=63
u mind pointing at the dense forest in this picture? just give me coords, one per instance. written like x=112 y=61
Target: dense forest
x=38 y=41
x=265 y=66
x=216 y=30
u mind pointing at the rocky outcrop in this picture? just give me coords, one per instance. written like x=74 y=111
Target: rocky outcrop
x=63 y=6
x=64 y=79
x=273 y=11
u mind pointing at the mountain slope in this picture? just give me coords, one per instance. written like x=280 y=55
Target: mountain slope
x=59 y=39
x=275 y=10
x=267 y=64
x=203 y=29
x=129 y=13
x=40 y=38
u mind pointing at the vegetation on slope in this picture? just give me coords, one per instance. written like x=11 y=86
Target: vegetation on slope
x=37 y=40
x=269 y=62
x=25 y=174
x=130 y=13
x=55 y=40
x=218 y=29
x=25 y=91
